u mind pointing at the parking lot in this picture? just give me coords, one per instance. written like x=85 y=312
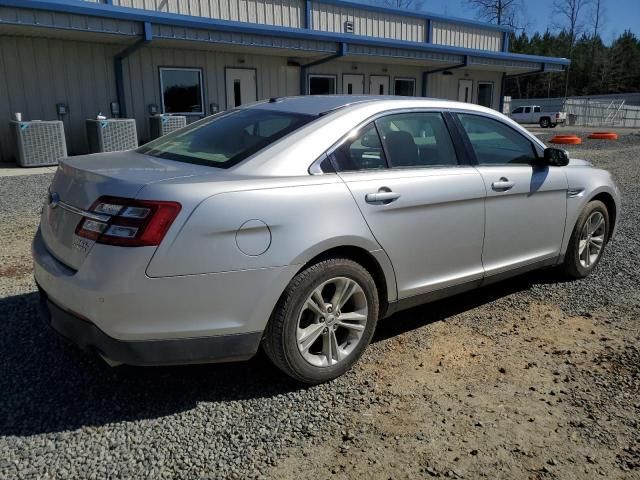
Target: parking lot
x=536 y=377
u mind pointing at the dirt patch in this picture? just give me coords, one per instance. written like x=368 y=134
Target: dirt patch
x=16 y=271
x=514 y=402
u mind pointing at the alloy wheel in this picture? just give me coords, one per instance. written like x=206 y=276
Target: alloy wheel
x=592 y=239
x=332 y=321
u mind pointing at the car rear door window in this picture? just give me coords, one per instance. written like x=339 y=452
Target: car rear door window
x=361 y=151
x=495 y=143
x=418 y=139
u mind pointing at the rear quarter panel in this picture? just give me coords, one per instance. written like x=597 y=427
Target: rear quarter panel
x=301 y=221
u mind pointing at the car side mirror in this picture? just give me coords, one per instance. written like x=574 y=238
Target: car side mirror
x=555 y=157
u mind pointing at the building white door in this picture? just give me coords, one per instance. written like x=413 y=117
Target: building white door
x=353 y=84
x=241 y=86
x=378 y=85
x=465 y=91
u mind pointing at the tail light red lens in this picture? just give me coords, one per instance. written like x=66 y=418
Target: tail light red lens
x=131 y=223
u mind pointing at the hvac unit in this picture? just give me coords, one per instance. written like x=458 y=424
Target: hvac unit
x=39 y=142
x=163 y=124
x=112 y=135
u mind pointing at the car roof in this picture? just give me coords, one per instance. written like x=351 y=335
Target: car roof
x=322 y=104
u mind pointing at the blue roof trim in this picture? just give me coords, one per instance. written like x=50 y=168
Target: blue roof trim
x=80 y=7
x=416 y=13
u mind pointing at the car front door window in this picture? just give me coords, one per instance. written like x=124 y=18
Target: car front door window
x=495 y=143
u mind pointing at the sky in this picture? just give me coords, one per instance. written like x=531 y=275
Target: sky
x=619 y=15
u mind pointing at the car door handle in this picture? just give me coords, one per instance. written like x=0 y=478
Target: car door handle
x=382 y=196
x=502 y=185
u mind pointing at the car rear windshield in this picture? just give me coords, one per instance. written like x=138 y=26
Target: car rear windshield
x=225 y=139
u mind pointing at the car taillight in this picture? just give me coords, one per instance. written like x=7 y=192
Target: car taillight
x=129 y=223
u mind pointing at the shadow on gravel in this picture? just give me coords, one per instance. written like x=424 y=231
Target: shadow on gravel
x=47 y=385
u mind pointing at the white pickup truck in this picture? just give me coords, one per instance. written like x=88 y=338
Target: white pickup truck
x=534 y=114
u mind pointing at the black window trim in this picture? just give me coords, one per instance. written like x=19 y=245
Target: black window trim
x=493 y=91
x=463 y=157
x=323 y=75
x=414 y=80
x=200 y=71
x=537 y=150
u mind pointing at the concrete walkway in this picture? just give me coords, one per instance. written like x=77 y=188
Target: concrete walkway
x=13 y=170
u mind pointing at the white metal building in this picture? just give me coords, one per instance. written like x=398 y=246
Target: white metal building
x=70 y=59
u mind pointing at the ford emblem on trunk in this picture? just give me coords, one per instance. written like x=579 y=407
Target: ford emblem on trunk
x=54 y=199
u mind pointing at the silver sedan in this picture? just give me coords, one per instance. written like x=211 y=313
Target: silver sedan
x=296 y=224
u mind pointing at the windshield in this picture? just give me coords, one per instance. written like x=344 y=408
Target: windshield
x=226 y=139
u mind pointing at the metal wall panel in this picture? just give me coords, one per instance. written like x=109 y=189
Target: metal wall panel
x=285 y=13
x=241 y=39
x=503 y=64
x=466 y=36
x=83 y=23
x=274 y=78
x=331 y=18
x=366 y=50
x=41 y=72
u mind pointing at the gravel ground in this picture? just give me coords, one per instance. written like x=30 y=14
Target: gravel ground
x=532 y=378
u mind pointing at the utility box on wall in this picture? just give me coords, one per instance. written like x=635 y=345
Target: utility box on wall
x=112 y=135
x=163 y=124
x=39 y=143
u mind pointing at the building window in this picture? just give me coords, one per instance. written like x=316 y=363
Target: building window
x=322 y=84
x=405 y=87
x=182 y=91
x=485 y=94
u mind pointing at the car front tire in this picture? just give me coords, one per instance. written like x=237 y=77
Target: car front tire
x=544 y=123
x=588 y=240
x=323 y=321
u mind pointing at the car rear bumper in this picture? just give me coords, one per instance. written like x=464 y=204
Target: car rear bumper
x=86 y=335
x=110 y=306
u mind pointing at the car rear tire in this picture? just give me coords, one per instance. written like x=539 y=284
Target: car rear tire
x=588 y=240
x=323 y=321
x=545 y=122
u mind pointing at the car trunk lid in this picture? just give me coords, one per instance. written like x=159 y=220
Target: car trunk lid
x=80 y=181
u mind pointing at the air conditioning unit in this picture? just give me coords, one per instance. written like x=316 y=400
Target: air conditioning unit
x=162 y=124
x=39 y=142
x=112 y=135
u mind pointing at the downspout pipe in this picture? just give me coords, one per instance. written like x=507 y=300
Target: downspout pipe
x=426 y=73
x=119 y=69
x=342 y=52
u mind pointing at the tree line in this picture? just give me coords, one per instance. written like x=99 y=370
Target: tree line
x=596 y=68
x=574 y=33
